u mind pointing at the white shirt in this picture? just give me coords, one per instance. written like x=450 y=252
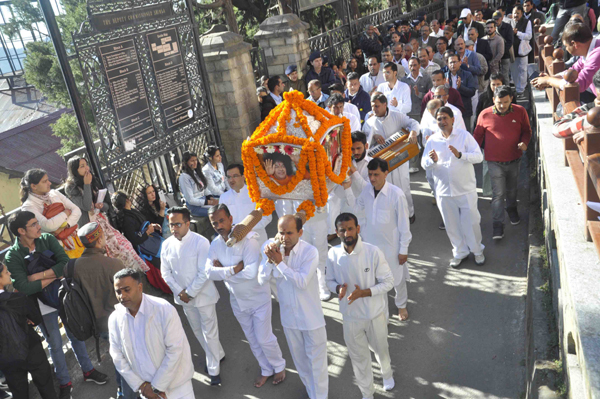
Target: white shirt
x=354 y=121
x=401 y=92
x=243 y=286
x=183 y=266
x=215 y=179
x=369 y=82
x=387 y=225
x=240 y=205
x=36 y=205
x=452 y=176
x=389 y=124
x=429 y=124
x=350 y=108
x=366 y=267
x=297 y=287
x=439 y=33
x=360 y=178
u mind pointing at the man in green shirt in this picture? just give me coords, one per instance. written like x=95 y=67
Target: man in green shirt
x=30 y=239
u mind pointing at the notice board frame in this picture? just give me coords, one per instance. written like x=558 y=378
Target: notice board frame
x=116 y=158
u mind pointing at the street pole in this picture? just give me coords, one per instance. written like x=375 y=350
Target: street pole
x=65 y=67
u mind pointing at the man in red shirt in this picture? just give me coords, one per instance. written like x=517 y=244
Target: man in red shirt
x=505 y=131
x=438 y=79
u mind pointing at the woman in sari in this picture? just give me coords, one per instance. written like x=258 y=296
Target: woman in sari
x=55 y=213
x=82 y=189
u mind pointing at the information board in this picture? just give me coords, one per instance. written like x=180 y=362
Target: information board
x=127 y=90
x=173 y=89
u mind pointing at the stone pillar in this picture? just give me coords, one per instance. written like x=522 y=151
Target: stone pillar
x=231 y=79
x=284 y=39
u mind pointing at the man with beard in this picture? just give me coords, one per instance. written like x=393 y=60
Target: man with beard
x=293 y=262
x=359 y=274
x=237 y=267
x=183 y=266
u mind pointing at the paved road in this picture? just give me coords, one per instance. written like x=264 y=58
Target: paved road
x=465 y=337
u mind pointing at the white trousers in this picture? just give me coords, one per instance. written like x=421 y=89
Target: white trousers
x=462 y=220
x=400 y=177
x=401 y=292
x=256 y=324
x=309 y=352
x=361 y=335
x=315 y=233
x=204 y=323
x=334 y=208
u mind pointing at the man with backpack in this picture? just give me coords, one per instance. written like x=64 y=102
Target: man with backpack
x=32 y=245
x=21 y=350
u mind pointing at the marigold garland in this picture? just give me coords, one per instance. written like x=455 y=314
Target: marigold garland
x=311 y=153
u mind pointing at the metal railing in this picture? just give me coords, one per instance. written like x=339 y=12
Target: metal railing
x=259 y=63
x=334 y=43
x=7 y=239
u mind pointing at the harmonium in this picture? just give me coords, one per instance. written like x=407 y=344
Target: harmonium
x=396 y=150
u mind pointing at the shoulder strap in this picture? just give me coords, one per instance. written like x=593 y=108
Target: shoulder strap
x=69 y=268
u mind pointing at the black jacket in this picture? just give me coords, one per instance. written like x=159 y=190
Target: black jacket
x=268 y=103
x=564 y=4
x=132 y=221
x=370 y=46
x=362 y=100
x=483 y=48
x=465 y=34
x=506 y=31
x=26 y=308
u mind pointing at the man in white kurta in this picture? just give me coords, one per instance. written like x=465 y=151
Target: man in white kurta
x=359 y=274
x=370 y=80
x=148 y=345
x=359 y=175
x=238 y=200
x=396 y=92
x=450 y=155
x=336 y=105
x=237 y=267
x=183 y=267
x=387 y=226
x=383 y=125
x=294 y=265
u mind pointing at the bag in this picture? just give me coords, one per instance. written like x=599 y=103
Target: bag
x=38 y=263
x=524 y=48
x=511 y=52
x=76 y=310
x=14 y=342
x=150 y=248
x=54 y=209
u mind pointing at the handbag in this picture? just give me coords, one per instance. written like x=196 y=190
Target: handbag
x=524 y=48
x=54 y=209
x=150 y=248
x=37 y=263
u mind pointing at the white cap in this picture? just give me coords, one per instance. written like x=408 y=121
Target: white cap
x=464 y=13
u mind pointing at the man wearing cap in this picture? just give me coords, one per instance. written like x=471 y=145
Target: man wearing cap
x=94 y=272
x=319 y=72
x=468 y=23
x=507 y=33
x=371 y=41
x=294 y=82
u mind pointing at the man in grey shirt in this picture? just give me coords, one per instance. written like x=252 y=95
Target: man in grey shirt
x=497 y=45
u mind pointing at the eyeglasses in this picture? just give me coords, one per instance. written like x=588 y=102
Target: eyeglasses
x=439 y=96
x=178 y=225
x=36 y=224
x=233 y=176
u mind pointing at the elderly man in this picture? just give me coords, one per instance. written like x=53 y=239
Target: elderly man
x=293 y=262
x=481 y=46
x=505 y=129
x=370 y=80
x=426 y=38
x=450 y=155
x=294 y=82
x=523 y=30
x=335 y=104
x=316 y=94
x=496 y=43
x=468 y=22
x=396 y=92
x=317 y=71
x=147 y=342
x=370 y=41
x=419 y=84
x=429 y=121
x=441 y=45
x=382 y=126
x=465 y=83
x=469 y=60
x=449 y=34
x=426 y=65
x=435 y=28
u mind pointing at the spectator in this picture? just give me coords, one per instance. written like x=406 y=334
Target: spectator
x=339 y=69
x=406 y=34
x=261 y=93
x=55 y=213
x=370 y=41
x=353 y=67
x=441 y=45
x=566 y=9
x=428 y=120
x=468 y=23
x=449 y=35
x=465 y=83
x=425 y=65
x=361 y=61
x=523 y=30
x=163 y=367
x=391 y=28
x=192 y=184
x=496 y=43
x=479 y=16
x=438 y=79
x=414 y=44
x=370 y=80
x=294 y=81
x=435 y=29
x=386 y=56
x=481 y=46
x=316 y=95
x=531 y=12
x=419 y=84
x=349 y=108
x=358 y=96
x=578 y=41
x=269 y=102
x=469 y=60
x=149 y=204
x=505 y=130
x=264 y=81
x=24 y=311
x=335 y=104
x=430 y=54
x=214 y=171
x=26 y=227
x=399 y=57
x=506 y=32
x=426 y=38
x=485 y=10
x=82 y=189
x=482 y=83
x=397 y=92
x=319 y=72
x=450 y=155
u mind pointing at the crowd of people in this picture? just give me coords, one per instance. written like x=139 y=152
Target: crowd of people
x=446 y=83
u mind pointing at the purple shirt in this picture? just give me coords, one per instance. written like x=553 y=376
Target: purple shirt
x=587 y=66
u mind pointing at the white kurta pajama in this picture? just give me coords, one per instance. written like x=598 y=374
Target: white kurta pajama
x=250 y=301
x=456 y=190
x=365 y=323
x=301 y=314
x=240 y=205
x=183 y=266
x=386 y=126
x=401 y=92
x=387 y=226
x=152 y=347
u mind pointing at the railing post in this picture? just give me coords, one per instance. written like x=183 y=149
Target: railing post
x=570 y=94
x=591 y=157
x=540 y=45
x=557 y=66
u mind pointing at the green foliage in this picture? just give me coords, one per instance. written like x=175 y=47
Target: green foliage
x=27 y=15
x=65 y=127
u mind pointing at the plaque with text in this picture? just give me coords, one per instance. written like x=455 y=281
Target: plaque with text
x=173 y=88
x=128 y=93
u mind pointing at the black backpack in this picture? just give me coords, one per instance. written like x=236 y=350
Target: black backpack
x=14 y=342
x=75 y=309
